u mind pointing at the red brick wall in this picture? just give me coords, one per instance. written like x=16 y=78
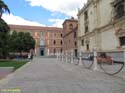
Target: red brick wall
x=38 y=30
x=69 y=35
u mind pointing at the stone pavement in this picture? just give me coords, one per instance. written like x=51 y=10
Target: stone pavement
x=47 y=75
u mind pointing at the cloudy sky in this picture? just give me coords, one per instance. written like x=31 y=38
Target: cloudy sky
x=41 y=12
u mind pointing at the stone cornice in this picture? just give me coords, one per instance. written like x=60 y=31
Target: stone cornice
x=84 y=8
x=94 y=2
x=97 y=30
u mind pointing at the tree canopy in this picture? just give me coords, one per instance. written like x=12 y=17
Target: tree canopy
x=21 y=42
x=4 y=29
x=4 y=26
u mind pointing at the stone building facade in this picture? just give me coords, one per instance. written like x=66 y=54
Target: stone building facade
x=49 y=40
x=70 y=27
x=101 y=25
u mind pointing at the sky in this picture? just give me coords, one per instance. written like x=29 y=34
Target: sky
x=41 y=12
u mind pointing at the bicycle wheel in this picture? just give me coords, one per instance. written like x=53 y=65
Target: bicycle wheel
x=87 y=63
x=111 y=68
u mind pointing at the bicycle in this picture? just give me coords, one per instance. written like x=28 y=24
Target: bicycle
x=87 y=60
x=108 y=65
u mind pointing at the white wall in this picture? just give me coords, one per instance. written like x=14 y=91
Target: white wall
x=92 y=19
x=105 y=12
x=109 y=40
x=81 y=26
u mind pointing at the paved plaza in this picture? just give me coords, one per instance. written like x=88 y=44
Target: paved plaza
x=47 y=75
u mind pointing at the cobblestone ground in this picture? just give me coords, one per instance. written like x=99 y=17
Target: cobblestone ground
x=46 y=75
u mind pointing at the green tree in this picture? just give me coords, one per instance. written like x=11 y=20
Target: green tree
x=4 y=29
x=12 y=41
x=3 y=8
x=4 y=44
x=21 y=42
x=4 y=26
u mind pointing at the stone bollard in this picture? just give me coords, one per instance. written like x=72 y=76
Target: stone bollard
x=62 y=57
x=57 y=56
x=72 y=57
x=80 y=59
x=66 y=57
x=95 y=65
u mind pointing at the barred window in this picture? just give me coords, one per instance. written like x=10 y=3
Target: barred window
x=122 y=41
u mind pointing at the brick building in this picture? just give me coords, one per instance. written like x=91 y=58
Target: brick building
x=48 y=39
x=70 y=28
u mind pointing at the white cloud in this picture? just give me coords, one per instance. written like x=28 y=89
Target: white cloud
x=11 y=19
x=56 y=22
x=68 y=7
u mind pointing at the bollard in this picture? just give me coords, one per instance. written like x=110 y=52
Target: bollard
x=62 y=57
x=66 y=57
x=95 y=60
x=57 y=56
x=72 y=57
x=80 y=59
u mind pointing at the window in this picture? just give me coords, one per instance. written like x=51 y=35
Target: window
x=87 y=47
x=85 y=15
x=61 y=35
x=61 y=42
x=119 y=8
x=54 y=42
x=122 y=41
x=41 y=42
x=42 y=34
x=70 y=27
x=82 y=42
x=120 y=11
x=75 y=43
x=86 y=29
x=54 y=34
x=61 y=50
